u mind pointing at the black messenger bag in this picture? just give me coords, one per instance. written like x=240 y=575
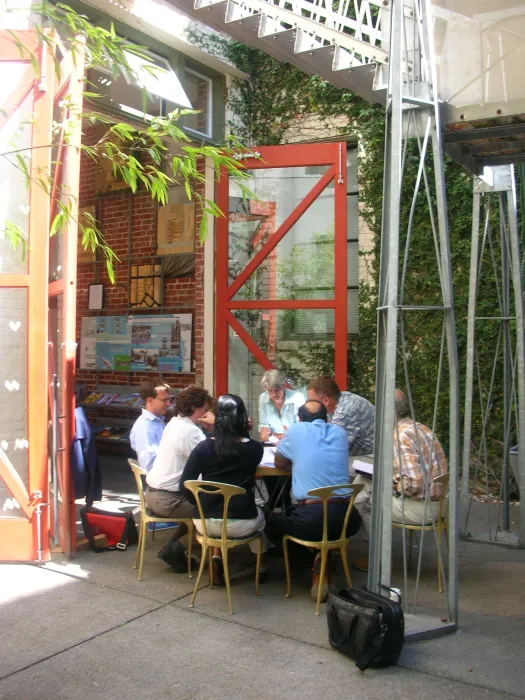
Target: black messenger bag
x=365 y=626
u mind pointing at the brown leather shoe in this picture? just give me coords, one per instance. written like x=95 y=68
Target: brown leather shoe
x=360 y=564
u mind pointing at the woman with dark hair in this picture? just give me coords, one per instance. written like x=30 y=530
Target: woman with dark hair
x=229 y=457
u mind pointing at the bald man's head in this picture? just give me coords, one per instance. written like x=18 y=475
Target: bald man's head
x=402 y=406
x=312 y=410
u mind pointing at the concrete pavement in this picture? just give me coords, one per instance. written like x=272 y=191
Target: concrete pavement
x=88 y=629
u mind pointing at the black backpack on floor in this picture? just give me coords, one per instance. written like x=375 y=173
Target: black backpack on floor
x=365 y=626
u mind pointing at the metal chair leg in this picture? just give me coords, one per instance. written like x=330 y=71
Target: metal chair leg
x=258 y=566
x=190 y=545
x=227 y=577
x=201 y=569
x=287 y=567
x=344 y=559
x=440 y=582
x=153 y=530
x=324 y=555
x=139 y=546
x=210 y=566
x=143 y=527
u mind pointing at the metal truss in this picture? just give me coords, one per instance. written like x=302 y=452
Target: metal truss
x=494 y=263
x=412 y=126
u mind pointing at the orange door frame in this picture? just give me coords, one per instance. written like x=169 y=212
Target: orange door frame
x=332 y=155
x=26 y=537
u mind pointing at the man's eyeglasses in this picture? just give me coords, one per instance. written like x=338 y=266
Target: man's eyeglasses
x=168 y=400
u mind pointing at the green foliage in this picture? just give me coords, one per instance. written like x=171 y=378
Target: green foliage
x=153 y=156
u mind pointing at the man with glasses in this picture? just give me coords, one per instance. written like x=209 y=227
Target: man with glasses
x=147 y=430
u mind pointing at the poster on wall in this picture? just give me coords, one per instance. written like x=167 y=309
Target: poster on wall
x=161 y=343
x=136 y=343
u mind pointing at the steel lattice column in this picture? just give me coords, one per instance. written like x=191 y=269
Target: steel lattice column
x=504 y=264
x=412 y=117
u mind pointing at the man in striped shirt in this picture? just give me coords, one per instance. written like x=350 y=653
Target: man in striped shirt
x=418 y=459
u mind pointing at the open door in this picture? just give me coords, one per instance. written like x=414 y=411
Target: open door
x=32 y=101
x=281 y=270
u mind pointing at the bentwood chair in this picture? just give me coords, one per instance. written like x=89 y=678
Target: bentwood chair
x=146 y=516
x=325 y=545
x=441 y=526
x=227 y=492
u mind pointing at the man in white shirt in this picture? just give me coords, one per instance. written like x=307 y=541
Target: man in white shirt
x=163 y=496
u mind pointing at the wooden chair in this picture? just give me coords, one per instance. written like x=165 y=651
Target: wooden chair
x=146 y=516
x=325 y=545
x=227 y=492
x=441 y=525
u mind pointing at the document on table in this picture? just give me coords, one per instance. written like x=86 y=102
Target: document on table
x=363 y=467
x=268 y=459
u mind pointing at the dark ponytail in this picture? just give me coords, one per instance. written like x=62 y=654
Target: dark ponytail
x=231 y=425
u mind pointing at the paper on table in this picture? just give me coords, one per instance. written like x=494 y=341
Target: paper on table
x=363 y=467
x=268 y=459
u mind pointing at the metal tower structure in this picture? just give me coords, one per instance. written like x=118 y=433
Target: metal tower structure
x=449 y=75
x=496 y=279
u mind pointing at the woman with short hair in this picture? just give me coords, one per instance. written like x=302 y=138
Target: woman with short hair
x=229 y=457
x=278 y=405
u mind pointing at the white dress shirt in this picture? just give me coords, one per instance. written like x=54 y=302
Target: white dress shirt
x=180 y=436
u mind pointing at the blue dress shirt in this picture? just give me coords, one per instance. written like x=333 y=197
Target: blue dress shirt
x=319 y=455
x=145 y=437
x=269 y=416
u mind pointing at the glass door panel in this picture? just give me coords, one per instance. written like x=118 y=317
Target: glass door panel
x=281 y=270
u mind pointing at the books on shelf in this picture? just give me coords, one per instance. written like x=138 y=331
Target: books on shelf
x=115 y=400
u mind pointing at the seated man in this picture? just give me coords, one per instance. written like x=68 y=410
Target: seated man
x=147 y=430
x=356 y=415
x=163 y=495
x=318 y=454
x=413 y=446
x=352 y=412
x=418 y=458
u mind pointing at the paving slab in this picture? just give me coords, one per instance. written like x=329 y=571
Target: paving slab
x=44 y=612
x=487 y=650
x=114 y=569
x=174 y=653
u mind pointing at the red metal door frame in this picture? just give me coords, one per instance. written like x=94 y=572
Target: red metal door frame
x=19 y=536
x=70 y=84
x=332 y=155
x=26 y=538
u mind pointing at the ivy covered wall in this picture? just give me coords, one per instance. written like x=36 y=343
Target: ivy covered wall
x=274 y=103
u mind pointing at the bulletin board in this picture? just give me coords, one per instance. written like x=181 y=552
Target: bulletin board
x=160 y=343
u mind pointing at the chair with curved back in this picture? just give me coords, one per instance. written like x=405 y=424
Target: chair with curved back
x=227 y=492
x=325 y=545
x=146 y=516
x=441 y=525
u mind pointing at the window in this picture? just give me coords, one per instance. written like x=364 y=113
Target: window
x=199 y=90
x=143 y=94
x=317 y=324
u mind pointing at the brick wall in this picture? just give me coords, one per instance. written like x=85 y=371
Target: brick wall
x=118 y=213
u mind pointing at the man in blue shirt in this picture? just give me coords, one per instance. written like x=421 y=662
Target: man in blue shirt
x=317 y=453
x=148 y=428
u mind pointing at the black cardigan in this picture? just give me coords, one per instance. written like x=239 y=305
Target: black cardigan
x=203 y=461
